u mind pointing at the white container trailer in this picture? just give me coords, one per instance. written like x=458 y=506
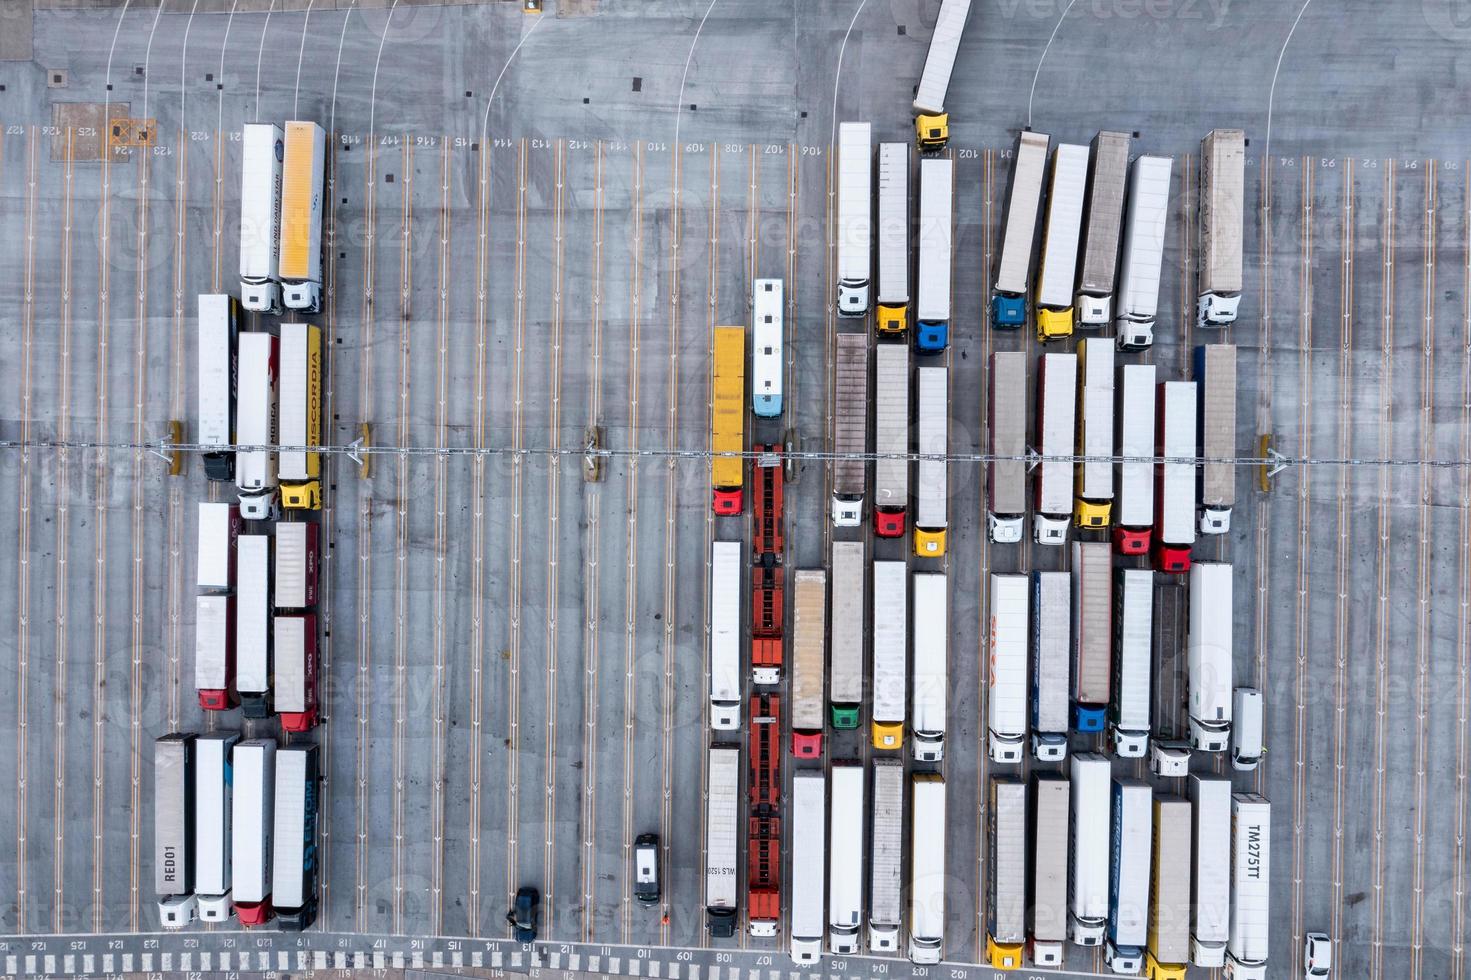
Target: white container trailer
x=217 y=332
x=254 y=765
x=1210 y=925
x=932 y=487
x=722 y=819
x=294 y=866
x=887 y=856
x=726 y=689
x=1128 y=883
x=302 y=189
x=219 y=528
x=253 y=626
x=891 y=438
x=1007 y=696
x=893 y=239
x=855 y=192
x=1145 y=224
x=1059 y=264
x=1215 y=378
x=1251 y=886
x=1128 y=715
x=214 y=651
x=214 y=785
x=1222 y=208
x=1094 y=505
x=1057 y=390
x=1168 y=951
x=931 y=659
x=890 y=636
x=1108 y=171
x=767 y=362
x=809 y=869
x=1006 y=876
x=255 y=469
x=809 y=655
x=927 y=869
x=173 y=829
x=1052 y=620
x=1093 y=611
x=846 y=633
x=932 y=122
x=1049 y=893
x=1174 y=501
x=936 y=214
x=1006 y=471
x=262 y=148
x=850 y=429
x=1023 y=201
x=1134 y=522
x=1089 y=848
x=846 y=845
x=1209 y=649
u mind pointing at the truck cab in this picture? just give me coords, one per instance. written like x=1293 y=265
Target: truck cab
x=1210 y=737
x=1174 y=559
x=1170 y=759
x=302 y=496
x=1123 y=960
x=725 y=716
x=888 y=523
x=300 y=919
x=846 y=512
x=852 y=297
x=923 y=949
x=1089 y=718
x=727 y=502
x=1217 y=309
x=1049 y=530
x=1134 y=335
x=932 y=131
x=929 y=544
x=892 y=319
x=1129 y=745
x=1093 y=311
x=214 y=908
x=931 y=336
x=1215 y=520
x=927 y=746
x=1004 y=529
x=1005 y=750
x=1049 y=746
x=1054 y=324
x=177 y=911
x=1004 y=956
x=259 y=506
x=1085 y=932
x=303 y=296
x=1092 y=514
x=888 y=735
x=844 y=716
x=260 y=296
x=1131 y=541
x=252 y=914
x=1008 y=311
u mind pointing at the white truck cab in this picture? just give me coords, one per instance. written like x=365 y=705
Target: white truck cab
x=177 y=911
x=1004 y=530
x=1049 y=746
x=1170 y=758
x=1050 y=530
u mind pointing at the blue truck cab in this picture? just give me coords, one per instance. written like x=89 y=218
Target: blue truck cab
x=1008 y=311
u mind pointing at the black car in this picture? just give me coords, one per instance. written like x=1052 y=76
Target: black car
x=522 y=916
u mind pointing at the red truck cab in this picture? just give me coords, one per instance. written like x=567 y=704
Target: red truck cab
x=1131 y=541
x=888 y=523
x=1174 y=559
x=727 y=503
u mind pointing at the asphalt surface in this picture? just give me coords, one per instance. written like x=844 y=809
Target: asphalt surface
x=515 y=664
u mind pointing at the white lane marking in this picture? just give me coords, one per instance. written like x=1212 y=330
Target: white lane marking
x=1045 y=48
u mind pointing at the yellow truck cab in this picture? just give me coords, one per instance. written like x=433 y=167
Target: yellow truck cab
x=302 y=496
x=1054 y=324
x=1004 y=956
x=1092 y=515
x=929 y=544
x=932 y=132
x=888 y=735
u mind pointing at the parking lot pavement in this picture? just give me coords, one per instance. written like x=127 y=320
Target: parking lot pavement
x=477 y=604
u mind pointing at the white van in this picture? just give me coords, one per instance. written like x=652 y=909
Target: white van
x=1246 y=729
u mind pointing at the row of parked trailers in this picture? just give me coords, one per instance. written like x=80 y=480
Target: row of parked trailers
x=255 y=625
x=1155 y=461
x=827 y=682
x=262 y=390
x=235 y=830
x=281 y=188
x=842 y=852
x=1102 y=245
x=1085 y=638
x=1160 y=881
